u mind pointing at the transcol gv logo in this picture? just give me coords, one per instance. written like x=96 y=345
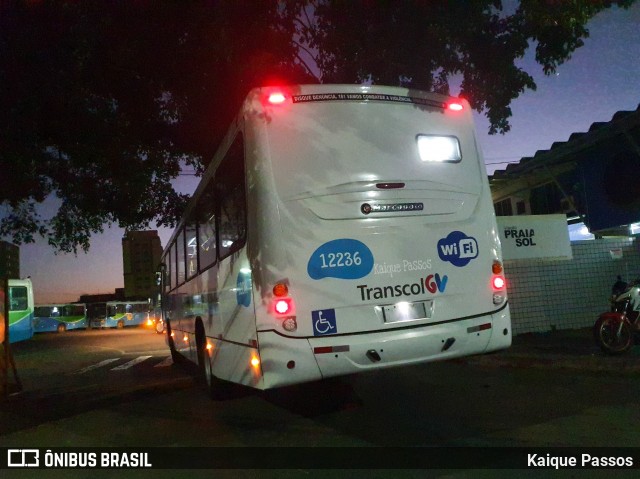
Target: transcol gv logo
x=458 y=248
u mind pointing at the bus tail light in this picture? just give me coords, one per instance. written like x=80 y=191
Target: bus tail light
x=498 y=283
x=496 y=268
x=283 y=307
x=280 y=290
x=455 y=106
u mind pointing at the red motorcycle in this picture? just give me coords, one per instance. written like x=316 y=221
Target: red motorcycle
x=615 y=330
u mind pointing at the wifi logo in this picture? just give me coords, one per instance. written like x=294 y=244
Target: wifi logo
x=458 y=248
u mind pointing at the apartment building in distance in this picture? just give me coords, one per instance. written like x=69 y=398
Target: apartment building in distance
x=9 y=260
x=141 y=251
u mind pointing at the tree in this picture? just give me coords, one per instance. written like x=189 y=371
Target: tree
x=424 y=44
x=102 y=102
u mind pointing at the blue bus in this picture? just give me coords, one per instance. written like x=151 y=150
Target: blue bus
x=117 y=314
x=59 y=317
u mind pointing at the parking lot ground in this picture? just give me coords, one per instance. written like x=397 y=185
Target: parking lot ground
x=560 y=349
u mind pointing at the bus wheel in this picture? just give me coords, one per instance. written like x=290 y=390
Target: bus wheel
x=120 y=324
x=61 y=328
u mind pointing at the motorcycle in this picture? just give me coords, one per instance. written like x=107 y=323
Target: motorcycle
x=615 y=330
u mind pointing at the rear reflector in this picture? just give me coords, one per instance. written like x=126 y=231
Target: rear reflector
x=330 y=349
x=482 y=327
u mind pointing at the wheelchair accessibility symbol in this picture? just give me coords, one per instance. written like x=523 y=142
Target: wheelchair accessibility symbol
x=324 y=322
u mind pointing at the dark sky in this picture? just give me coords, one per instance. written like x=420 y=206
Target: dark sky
x=602 y=77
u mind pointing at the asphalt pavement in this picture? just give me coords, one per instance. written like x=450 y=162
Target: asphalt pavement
x=560 y=349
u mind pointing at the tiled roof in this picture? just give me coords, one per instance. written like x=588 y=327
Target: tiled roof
x=561 y=151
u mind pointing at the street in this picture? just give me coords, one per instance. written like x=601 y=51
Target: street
x=112 y=388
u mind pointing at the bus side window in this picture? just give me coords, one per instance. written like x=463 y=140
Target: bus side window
x=207 y=227
x=180 y=263
x=191 y=242
x=171 y=267
x=232 y=222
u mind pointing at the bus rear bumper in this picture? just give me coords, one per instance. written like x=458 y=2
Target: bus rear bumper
x=328 y=356
x=350 y=354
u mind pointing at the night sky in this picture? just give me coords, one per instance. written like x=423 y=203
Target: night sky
x=601 y=78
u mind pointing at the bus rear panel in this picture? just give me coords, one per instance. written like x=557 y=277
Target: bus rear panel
x=382 y=229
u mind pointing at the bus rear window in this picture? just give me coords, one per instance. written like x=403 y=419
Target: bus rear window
x=18 y=298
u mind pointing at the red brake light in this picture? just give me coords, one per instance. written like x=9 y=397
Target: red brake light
x=276 y=98
x=498 y=282
x=455 y=106
x=283 y=306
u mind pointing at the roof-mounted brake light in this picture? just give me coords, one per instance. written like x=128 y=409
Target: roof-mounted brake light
x=276 y=98
x=455 y=106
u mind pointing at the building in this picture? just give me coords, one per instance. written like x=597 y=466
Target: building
x=592 y=178
x=141 y=251
x=9 y=260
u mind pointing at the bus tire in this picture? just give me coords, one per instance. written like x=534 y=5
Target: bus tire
x=120 y=324
x=61 y=328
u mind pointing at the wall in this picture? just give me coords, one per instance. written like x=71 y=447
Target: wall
x=568 y=294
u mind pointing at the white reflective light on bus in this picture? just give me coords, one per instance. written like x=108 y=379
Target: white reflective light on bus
x=290 y=324
x=438 y=148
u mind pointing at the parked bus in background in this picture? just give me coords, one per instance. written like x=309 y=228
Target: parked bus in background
x=117 y=314
x=20 y=310
x=59 y=317
x=338 y=229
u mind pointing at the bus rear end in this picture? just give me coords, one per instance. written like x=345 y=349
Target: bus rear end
x=379 y=247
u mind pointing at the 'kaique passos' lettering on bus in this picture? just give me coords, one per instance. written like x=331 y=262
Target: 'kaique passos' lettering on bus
x=433 y=283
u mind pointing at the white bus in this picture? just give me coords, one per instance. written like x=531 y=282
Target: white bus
x=338 y=229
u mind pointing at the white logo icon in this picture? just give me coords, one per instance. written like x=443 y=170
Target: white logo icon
x=23 y=458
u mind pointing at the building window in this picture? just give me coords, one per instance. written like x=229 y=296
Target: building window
x=545 y=199
x=503 y=208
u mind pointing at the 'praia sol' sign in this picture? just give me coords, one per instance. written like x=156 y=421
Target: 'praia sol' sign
x=537 y=236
